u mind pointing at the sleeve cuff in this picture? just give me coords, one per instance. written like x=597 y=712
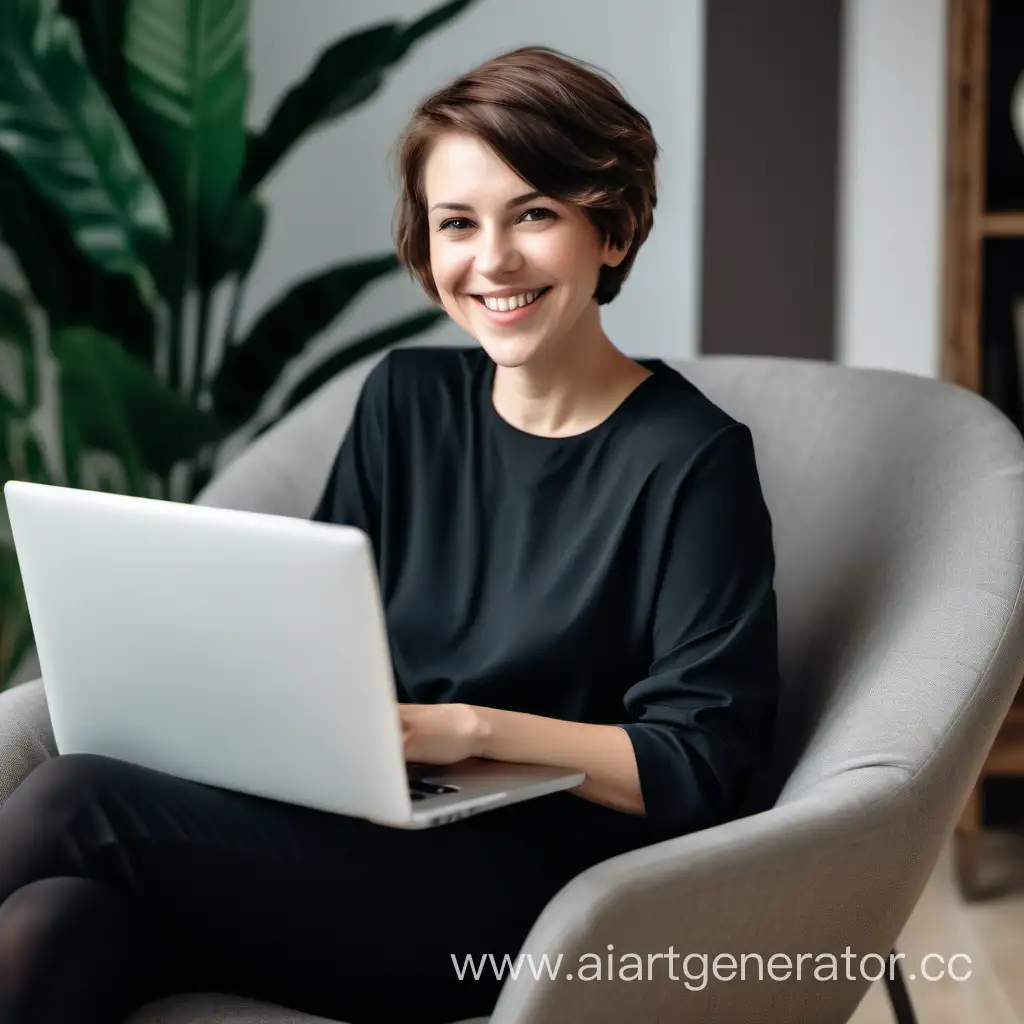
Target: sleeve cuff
x=679 y=789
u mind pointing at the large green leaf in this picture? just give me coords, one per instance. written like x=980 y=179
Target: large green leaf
x=344 y=76
x=114 y=403
x=361 y=348
x=60 y=128
x=15 y=623
x=233 y=249
x=7 y=415
x=187 y=81
x=250 y=369
x=24 y=455
x=16 y=331
x=10 y=582
x=71 y=288
x=101 y=26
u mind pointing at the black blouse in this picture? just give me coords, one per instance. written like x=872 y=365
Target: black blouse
x=622 y=576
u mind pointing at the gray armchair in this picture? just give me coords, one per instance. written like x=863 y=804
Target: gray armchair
x=898 y=505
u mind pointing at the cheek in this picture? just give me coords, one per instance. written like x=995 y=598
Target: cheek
x=448 y=276
x=445 y=268
x=563 y=258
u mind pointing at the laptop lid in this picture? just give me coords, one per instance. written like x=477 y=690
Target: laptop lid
x=163 y=626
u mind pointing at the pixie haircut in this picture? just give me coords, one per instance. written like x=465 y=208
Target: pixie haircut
x=560 y=126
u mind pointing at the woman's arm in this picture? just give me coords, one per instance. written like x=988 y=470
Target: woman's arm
x=698 y=725
x=604 y=752
x=446 y=733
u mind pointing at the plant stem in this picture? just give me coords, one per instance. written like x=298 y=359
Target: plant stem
x=202 y=339
x=227 y=337
x=175 y=341
x=236 y=306
x=161 y=348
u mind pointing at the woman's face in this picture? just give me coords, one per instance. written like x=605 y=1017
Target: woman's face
x=492 y=235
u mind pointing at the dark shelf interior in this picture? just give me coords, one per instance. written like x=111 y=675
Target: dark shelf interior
x=1002 y=349
x=1002 y=802
x=1005 y=170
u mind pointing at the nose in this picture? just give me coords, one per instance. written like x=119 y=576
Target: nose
x=496 y=255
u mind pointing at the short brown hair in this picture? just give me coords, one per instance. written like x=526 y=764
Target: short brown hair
x=562 y=127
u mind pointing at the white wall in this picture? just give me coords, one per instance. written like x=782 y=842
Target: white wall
x=892 y=158
x=332 y=200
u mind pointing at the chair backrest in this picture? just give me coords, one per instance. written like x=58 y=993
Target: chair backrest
x=898 y=514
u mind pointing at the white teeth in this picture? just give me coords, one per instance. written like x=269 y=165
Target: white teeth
x=505 y=304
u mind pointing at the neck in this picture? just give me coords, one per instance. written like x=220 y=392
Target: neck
x=571 y=390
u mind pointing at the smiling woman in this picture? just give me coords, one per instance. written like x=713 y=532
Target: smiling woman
x=557 y=125
x=558 y=197
x=576 y=565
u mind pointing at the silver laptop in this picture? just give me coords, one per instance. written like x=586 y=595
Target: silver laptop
x=238 y=649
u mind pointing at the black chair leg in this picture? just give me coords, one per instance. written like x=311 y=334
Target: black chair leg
x=899 y=997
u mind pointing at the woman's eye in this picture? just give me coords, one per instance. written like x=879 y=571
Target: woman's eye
x=452 y=221
x=539 y=209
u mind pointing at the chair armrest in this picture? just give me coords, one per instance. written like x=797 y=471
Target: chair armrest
x=833 y=869
x=26 y=736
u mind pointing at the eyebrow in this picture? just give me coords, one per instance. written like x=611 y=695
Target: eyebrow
x=519 y=200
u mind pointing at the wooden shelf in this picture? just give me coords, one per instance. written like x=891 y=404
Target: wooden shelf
x=971 y=74
x=1007 y=754
x=1002 y=225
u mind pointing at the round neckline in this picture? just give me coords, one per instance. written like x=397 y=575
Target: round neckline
x=605 y=424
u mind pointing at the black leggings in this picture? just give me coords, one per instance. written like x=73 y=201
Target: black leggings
x=119 y=884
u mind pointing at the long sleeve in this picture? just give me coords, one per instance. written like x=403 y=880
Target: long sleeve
x=353 y=492
x=704 y=716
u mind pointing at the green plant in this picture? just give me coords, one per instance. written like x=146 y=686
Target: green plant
x=129 y=193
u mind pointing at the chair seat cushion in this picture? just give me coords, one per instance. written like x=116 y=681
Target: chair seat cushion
x=218 y=1008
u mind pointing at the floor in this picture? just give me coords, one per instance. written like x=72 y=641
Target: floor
x=989 y=931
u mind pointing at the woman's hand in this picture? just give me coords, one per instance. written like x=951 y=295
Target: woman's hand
x=445 y=733
x=439 y=733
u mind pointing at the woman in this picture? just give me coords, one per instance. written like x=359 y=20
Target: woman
x=577 y=567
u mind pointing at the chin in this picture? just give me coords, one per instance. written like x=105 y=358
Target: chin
x=511 y=353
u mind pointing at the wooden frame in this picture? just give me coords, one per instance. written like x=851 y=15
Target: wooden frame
x=966 y=96
x=968 y=225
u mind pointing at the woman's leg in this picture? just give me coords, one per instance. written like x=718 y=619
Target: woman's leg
x=325 y=913
x=77 y=949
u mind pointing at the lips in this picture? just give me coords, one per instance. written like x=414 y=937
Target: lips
x=510 y=318
x=543 y=292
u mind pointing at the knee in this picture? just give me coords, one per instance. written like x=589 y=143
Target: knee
x=32 y=922
x=63 y=942
x=26 y=920
x=77 y=949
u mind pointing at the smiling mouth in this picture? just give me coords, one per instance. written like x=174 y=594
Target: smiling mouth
x=540 y=294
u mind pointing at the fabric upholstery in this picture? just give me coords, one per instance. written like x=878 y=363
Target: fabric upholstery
x=898 y=512
x=26 y=736
x=217 y=1008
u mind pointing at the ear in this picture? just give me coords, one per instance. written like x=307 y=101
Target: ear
x=613 y=255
